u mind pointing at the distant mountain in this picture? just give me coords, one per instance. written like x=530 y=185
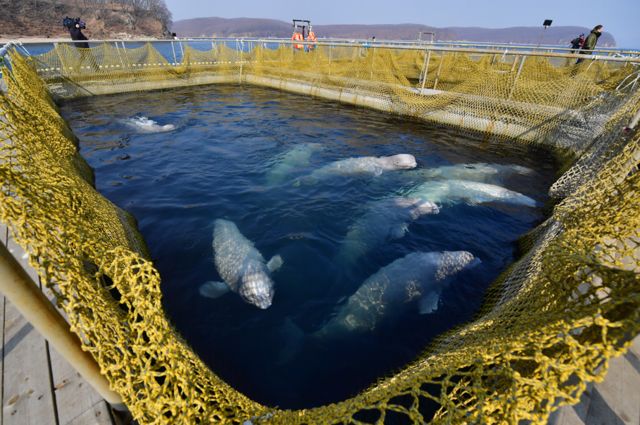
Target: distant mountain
x=249 y=27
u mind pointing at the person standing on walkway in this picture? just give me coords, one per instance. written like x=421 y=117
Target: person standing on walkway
x=591 y=41
x=576 y=43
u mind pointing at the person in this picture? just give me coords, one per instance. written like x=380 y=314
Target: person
x=591 y=41
x=312 y=39
x=576 y=43
x=75 y=31
x=297 y=37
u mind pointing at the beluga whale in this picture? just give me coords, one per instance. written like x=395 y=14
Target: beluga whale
x=362 y=166
x=147 y=125
x=291 y=161
x=384 y=220
x=415 y=280
x=241 y=267
x=478 y=172
x=470 y=192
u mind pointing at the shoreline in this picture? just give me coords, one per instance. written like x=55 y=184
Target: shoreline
x=33 y=39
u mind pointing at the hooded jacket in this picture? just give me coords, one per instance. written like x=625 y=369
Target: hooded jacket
x=591 y=41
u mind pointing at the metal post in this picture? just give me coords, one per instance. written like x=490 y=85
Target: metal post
x=119 y=56
x=124 y=52
x=24 y=294
x=515 y=61
x=425 y=70
x=435 y=83
x=241 y=58
x=373 y=52
x=515 y=80
x=173 y=49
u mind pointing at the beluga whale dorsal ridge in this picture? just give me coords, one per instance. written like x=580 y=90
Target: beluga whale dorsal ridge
x=241 y=267
x=417 y=278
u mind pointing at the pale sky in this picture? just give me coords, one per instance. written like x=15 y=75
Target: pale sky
x=620 y=17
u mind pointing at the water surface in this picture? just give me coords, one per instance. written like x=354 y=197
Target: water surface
x=215 y=163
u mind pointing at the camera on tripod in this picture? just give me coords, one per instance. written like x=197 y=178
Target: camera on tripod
x=69 y=23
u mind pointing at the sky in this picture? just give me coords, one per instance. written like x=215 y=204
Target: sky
x=620 y=17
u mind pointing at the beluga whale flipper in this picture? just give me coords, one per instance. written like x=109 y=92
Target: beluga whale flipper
x=416 y=279
x=367 y=165
x=241 y=266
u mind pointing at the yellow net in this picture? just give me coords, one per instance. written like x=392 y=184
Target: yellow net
x=549 y=324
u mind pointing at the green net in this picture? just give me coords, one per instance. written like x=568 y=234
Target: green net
x=548 y=326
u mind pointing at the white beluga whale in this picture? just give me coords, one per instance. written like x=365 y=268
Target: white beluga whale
x=146 y=125
x=384 y=220
x=241 y=266
x=470 y=192
x=367 y=165
x=479 y=172
x=291 y=161
x=414 y=281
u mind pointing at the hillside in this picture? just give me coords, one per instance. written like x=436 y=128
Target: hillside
x=104 y=18
x=249 y=27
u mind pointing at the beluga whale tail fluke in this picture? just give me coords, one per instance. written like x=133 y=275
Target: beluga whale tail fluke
x=241 y=267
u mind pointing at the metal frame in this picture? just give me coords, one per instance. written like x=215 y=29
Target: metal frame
x=381 y=44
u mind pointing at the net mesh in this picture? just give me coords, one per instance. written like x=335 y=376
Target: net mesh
x=548 y=326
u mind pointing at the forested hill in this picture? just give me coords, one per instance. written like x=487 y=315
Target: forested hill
x=104 y=18
x=250 y=27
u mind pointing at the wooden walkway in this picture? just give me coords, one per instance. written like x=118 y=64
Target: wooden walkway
x=614 y=401
x=39 y=387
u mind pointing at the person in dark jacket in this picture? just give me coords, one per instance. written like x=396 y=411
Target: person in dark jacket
x=76 y=33
x=591 y=41
x=576 y=43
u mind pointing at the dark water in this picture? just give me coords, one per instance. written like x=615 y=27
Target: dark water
x=213 y=165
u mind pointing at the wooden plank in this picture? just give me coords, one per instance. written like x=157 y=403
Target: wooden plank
x=74 y=396
x=616 y=400
x=27 y=395
x=98 y=414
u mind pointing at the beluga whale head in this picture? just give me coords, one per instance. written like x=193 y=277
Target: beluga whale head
x=257 y=287
x=403 y=161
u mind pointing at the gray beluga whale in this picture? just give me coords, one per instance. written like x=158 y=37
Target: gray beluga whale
x=384 y=220
x=415 y=280
x=479 y=172
x=367 y=165
x=292 y=160
x=241 y=266
x=451 y=191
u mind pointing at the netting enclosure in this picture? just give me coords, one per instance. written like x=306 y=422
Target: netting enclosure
x=550 y=322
